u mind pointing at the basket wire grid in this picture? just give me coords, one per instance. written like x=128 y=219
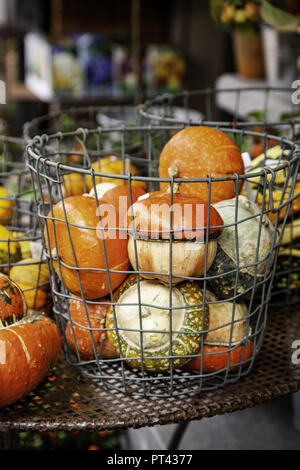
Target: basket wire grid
x=22 y=256
x=134 y=370
x=88 y=117
x=268 y=109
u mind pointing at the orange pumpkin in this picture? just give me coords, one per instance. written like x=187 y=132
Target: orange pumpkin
x=28 y=350
x=72 y=184
x=86 y=240
x=195 y=152
x=151 y=228
x=86 y=325
x=215 y=358
x=30 y=345
x=115 y=166
x=12 y=301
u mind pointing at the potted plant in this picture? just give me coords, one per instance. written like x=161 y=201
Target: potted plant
x=243 y=19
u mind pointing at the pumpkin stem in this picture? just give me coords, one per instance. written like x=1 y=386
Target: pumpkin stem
x=173 y=172
x=146 y=312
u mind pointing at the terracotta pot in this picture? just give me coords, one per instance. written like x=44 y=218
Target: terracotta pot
x=249 y=56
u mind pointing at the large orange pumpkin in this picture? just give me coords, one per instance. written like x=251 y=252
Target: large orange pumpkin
x=85 y=238
x=30 y=346
x=195 y=152
x=87 y=325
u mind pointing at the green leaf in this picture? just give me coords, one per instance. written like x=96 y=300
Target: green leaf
x=257 y=115
x=275 y=16
x=216 y=7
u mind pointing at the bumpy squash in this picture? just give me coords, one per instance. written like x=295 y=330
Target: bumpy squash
x=86 y=240
x=237 y=263
x=187 y=323
x=12 y=301
x=32 y=276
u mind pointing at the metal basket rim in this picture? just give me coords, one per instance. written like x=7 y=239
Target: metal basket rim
x=29 y=125
x=40 y=140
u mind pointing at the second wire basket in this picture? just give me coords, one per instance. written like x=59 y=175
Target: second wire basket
x=161 y=285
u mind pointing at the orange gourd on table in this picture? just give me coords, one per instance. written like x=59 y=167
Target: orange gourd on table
x=195 y=152
x=86 y=241
x=30 y=345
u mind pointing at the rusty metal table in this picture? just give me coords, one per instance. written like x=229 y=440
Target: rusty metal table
x=67 y=401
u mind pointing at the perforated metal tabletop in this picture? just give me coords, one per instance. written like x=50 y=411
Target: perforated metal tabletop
x=67 y=401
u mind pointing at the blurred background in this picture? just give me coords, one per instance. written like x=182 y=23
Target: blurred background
x=63 y=53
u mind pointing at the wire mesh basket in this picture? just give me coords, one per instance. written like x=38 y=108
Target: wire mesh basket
x=21 y=249
x=275 y=110
x=148 y=298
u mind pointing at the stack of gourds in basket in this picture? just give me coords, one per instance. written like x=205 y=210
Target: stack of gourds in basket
x=159 y=279
x=166 y=251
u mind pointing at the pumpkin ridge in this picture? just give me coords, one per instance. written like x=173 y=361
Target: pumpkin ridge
x=22 y=343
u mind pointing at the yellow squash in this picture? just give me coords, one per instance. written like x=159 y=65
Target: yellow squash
x=113 y=165
x=10 y=251
x=274 y=153
x=72 y=184
x=32 y=276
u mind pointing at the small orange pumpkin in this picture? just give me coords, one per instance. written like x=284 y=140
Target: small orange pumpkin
x=195 y=152
x=86 y=239
x=30 y=345
x=149 y=227
x=215 y=358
